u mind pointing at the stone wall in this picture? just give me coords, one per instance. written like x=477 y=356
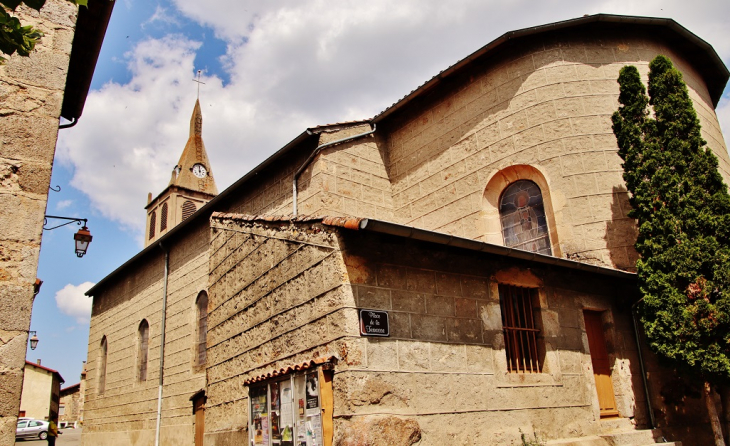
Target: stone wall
x=72 y=404
x=125 y=414
x=444 y=367
x=547 y=105
x=282 y=294
x=31 y=92
x=276 y=299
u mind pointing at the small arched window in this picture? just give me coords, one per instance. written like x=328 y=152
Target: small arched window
x=143 y=337
x=201 y=327
x=188 y=209
x=153 y=222
x=102 y=365
x=163 y=217
x=522 y=215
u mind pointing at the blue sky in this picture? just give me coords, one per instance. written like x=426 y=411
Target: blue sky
x=271 y=69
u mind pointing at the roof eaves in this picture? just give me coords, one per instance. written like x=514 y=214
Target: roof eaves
x=91 y=25
x=398 y=230
x=60 y=378
x=716 y=92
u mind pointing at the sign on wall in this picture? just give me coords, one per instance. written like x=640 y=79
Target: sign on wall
x=374 y=323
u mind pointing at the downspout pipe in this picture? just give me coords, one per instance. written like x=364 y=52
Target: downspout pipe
x=162 y=343
x=641 y=364
x=314 y=153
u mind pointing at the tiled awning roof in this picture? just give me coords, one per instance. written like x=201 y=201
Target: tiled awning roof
x=290 y=369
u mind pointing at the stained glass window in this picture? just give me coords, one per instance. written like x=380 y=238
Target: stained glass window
x=522 y=215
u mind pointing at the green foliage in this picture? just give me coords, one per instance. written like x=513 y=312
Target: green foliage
x=530 y=441
x=14 y=37
x=683 y=211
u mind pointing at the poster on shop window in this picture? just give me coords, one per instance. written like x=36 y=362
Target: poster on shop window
x=287 y=412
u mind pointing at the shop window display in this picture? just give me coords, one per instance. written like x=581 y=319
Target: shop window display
x=287 y=411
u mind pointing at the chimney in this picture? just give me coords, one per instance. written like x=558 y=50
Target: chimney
x=39 y=362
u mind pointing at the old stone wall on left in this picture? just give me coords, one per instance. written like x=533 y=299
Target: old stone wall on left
x=31 y=93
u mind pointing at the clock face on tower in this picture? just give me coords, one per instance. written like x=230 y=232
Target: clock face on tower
x=199 y=170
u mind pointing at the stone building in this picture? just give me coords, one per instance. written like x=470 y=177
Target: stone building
x=41 y=392
x=34 y=92
x=70 y=406
x=483 y=215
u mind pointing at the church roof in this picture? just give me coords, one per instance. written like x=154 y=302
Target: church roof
x=697 y=51
x=194 y=154
x=424 y=235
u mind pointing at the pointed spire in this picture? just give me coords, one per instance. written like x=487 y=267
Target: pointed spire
x=193 y=171
x=196 y=121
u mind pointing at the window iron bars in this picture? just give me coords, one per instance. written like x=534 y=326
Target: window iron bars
x=520 y=332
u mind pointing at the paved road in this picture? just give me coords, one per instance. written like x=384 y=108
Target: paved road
x=70 y=437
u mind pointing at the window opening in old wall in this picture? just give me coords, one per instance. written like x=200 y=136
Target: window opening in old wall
x=102 y=365
x=291 y=411
x=522 y=216
x=522 y=340
x=163 y=217
x=143 y=336
x=202 y=328
x=188 y=209
x=153 y=222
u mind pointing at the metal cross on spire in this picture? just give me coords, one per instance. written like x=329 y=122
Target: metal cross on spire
x=199 y=82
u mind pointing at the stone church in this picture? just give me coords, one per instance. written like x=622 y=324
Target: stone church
x=456 y=270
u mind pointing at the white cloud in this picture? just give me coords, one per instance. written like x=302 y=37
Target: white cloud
x=162 y=15
x=71 y=301
x=293 y=65
x=63 y=204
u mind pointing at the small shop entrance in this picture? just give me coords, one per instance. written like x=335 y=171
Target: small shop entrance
x=601 y=363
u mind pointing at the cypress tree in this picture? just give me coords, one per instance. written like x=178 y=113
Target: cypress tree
x=682 y=208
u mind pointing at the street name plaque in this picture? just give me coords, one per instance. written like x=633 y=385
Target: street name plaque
x=374 y=323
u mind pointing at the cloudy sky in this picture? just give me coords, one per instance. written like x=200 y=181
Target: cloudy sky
x=271 y=69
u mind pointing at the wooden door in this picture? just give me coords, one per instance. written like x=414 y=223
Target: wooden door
x=601 y=363
x=199 y=411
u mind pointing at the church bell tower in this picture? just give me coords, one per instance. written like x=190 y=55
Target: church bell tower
x=191 y=185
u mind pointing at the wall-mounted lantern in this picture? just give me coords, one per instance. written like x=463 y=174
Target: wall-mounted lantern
x=82 y=238
x=33 y=340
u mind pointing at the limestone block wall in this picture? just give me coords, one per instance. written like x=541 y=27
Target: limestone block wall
x=547 y=104
x=125 y=413
x=31 y=92
x=276 y=298
x=443 y=370
x=282 y=294
x=349 y=179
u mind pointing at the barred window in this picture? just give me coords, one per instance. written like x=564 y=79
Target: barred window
x=522 y=340
x=163 y=217
x=202 y=328
x=143 y=335
x=188 y=209
x=153 y=222
x=522 y=215
x=102 y=365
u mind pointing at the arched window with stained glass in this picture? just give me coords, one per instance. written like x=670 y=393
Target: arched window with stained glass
x=522 y=215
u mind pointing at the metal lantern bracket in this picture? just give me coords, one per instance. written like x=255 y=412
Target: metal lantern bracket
x=78 y=221
x=82 y=238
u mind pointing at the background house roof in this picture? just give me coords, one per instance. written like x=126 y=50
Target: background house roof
x=60 y=378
